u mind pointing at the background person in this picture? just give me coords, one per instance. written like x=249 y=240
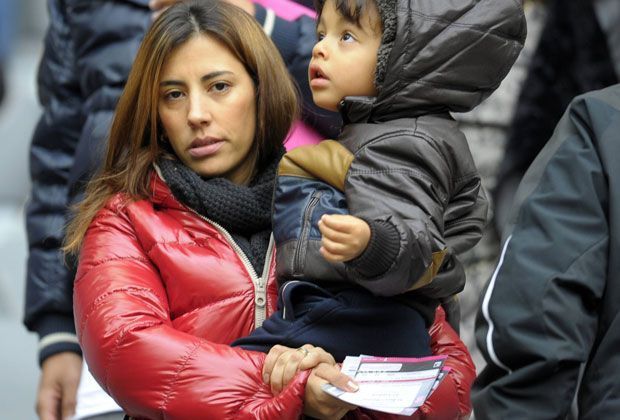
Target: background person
x=548 y=319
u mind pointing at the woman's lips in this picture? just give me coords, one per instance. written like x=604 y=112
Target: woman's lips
x=201 y=148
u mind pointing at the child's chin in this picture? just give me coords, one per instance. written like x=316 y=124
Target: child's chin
x=327 y=105
x=323 y=101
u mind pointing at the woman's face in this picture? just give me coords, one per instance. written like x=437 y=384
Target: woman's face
x=207 y=108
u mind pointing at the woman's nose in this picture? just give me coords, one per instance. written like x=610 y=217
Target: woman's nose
x=199 y=112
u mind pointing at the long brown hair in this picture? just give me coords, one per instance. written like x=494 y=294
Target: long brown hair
x=133 y=144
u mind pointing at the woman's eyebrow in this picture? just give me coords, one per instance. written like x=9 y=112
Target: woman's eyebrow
x=204 y=78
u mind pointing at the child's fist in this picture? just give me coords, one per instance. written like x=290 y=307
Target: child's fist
x=345 y=237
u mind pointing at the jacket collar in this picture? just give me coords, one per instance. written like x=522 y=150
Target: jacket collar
x=356 y=109
x=365 y=109
x=161 y=194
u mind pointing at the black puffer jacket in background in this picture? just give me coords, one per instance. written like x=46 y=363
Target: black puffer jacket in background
x=89 y=49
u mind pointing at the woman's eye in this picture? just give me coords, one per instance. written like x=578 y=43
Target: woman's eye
x=220 y=87
x=175 y=94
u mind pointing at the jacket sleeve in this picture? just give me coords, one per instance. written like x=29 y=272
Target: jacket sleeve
x=48 y=306
x=451 y=400
x=539 y=313
x=408 y=182
x=151 y=369
x=89 y=49
x=106 y=36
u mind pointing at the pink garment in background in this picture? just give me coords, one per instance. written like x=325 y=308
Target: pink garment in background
x=301 y=133
x=286 y=9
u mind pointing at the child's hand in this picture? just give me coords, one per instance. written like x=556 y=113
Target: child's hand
x=345 y=237
x=282 y=363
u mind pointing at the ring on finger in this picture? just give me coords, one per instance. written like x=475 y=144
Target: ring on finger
x=303 y=350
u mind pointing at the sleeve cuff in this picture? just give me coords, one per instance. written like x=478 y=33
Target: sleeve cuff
x=58 y=343
x=56 y=335
x=381 y=252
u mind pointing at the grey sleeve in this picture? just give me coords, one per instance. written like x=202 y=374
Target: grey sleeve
x=408 y=192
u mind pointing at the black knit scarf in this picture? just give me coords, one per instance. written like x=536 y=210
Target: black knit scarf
x=243 y=210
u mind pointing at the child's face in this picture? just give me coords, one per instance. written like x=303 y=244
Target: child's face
x=345 y=57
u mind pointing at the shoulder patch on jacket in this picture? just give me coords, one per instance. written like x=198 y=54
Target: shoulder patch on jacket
x=328 y=161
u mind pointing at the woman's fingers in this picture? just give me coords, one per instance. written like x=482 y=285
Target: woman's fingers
x=316 y=356
x=286 y=367
x=333 y=375
x=283 y=363
x=271 y=359
x=318 y=403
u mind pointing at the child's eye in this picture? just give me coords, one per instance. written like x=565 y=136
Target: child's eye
x=320 y=36
x=220 y=87
x=347 y=37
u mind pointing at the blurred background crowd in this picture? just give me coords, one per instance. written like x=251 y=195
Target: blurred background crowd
x=568 y=52
x=22 y=27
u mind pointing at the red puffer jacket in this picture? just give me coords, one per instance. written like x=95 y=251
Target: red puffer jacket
x=160 y=293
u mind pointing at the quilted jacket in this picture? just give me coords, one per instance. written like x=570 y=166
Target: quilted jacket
x=160 y=292
x=401 y=163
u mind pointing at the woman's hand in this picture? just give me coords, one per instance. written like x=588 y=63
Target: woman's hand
x=344 y=237
x=318 y=403
x=282 y=363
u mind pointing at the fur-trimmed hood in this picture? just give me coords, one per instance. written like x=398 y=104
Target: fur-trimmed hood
x=440 y=55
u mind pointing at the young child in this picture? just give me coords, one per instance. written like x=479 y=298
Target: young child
x=368 y=227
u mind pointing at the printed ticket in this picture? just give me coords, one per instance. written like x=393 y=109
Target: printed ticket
x=390 y=384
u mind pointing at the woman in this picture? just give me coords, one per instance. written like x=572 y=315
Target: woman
x=174 y=230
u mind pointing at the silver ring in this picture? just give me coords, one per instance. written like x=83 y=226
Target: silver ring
x=304 y=351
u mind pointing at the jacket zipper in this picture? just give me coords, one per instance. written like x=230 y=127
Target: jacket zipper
x=260 y=291
x=302 y=243
x=260 y=283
